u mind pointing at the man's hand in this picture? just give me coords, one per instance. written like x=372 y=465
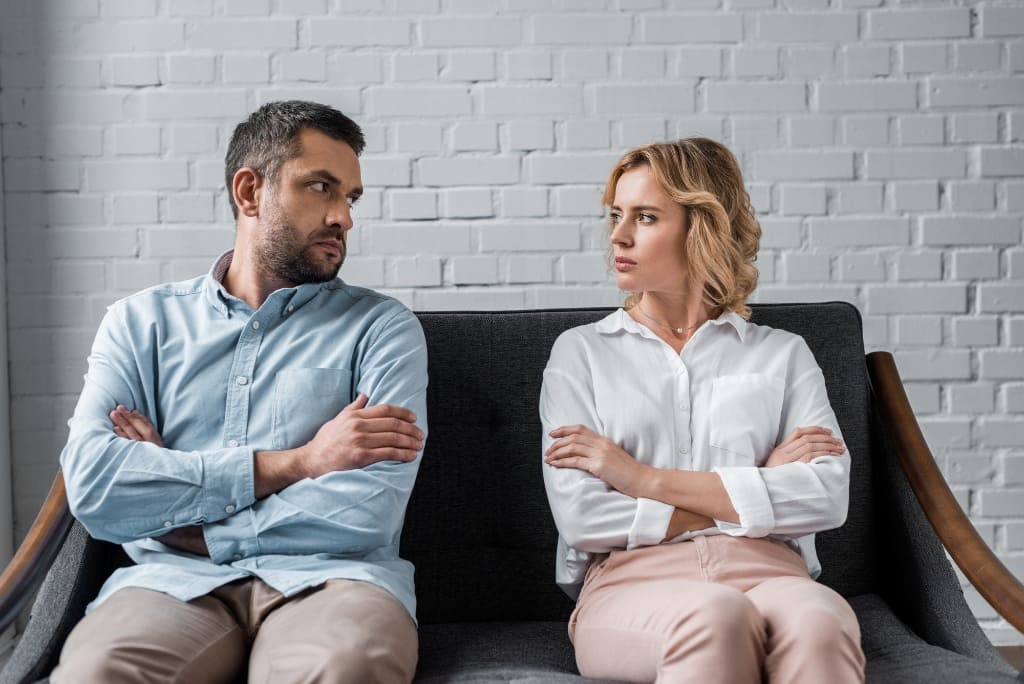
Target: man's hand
x=137 y=427
x=360 y=436
x=805 y=444
x=579 y=447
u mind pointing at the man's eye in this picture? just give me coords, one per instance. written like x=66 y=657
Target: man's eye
x=318 y=186
x=352 y=202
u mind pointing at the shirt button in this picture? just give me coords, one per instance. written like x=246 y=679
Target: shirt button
x=242 y=380
x=682 y=450
x=232 y=442
x=255 y=325
x=167 y=523
x=290 y=308
x=229 y=509
x=237 y=556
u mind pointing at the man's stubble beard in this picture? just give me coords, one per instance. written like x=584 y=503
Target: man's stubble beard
x=282 y=253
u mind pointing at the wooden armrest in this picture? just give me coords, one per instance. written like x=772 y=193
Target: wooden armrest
x=986 y=572
x=36 y=554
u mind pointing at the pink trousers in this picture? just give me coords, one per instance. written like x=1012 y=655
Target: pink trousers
x=713 y=609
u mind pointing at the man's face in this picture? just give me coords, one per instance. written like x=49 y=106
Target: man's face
x=306 y=214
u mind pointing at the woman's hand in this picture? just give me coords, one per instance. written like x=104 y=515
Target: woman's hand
x=135 y=426
x=804 y=444
x=576 y=446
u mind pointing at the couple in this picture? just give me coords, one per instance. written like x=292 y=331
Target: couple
x=252 y=436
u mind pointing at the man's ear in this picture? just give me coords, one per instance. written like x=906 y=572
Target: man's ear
x=246 y=187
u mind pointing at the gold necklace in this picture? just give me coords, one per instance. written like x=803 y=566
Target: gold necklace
x=678 y=331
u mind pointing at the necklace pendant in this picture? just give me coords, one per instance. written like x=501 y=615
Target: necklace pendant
x=679 y=330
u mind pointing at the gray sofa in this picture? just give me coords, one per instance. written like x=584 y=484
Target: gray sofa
x=480 y=534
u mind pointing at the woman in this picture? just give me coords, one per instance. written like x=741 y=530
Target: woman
x=691 y=455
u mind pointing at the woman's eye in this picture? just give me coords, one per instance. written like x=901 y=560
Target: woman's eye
x=646 y=218
x=614 y=218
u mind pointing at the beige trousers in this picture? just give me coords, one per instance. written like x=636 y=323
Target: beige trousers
x=340 y=631
x=713 y=609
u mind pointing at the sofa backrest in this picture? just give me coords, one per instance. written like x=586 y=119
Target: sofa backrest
x=478 y=527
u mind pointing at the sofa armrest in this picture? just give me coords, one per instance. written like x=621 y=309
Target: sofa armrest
x=35 y=555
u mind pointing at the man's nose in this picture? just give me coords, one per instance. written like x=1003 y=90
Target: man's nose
x=341 y=215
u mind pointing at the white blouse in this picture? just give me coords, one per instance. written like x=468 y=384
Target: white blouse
x=723 y=404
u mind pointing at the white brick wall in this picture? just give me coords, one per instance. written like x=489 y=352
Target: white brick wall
x=883 y=142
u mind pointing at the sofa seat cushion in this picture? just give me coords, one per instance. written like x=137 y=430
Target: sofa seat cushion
x=895 y=654
x=499 y=652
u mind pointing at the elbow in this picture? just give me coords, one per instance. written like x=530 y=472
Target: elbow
x=581 y=533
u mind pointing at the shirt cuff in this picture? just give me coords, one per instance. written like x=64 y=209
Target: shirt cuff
x=749 y=496
x=650 y=524
x=231 y=539
x=229 y=482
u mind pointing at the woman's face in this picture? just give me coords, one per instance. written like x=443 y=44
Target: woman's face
x=648 y=235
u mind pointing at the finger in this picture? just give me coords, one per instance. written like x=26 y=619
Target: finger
x=143 y=426
x=358 y=403
x=390 y=454
x=566 y=430
x=390 y=424
x=571 y=462
x=388 y=440
x=387 y=411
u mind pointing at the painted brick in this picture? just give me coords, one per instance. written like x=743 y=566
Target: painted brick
x=585 y=268
x=475 y=136
x=1002 y=21
x=689 y=28
x=135 y=208
x=972 y=196
x=635 y=132
x=797 y=27
x=529 y=135
x=526 y=65
x=417 y=136
x=476 y=65
x=528 y=268
x=803 y=165
x=191 y=69
x=861 y=268
x=135 y=36
x=413 y=204
x=916 y=331
x=967 y=467
x=1015 y=331
x=467 y=203
x=697 y=61
x=246 y=68
x=1014 y=194
x=915 y=129
x=980 y=331
x=470 y=299
x=474 y=270
x=802 y=199
x=930 y=298
x=1001 y=432
x=352 y=32
x=414 y=67
x=754 y=133
x=798 y=267
x=133 y=276
x=1002 y=161
x=1001 y=503
x=867 y=60
x=569 y=168
x=755 y=61
x=584 y=134
x=1015 y=260
x=577 y=29
x=164 y=242
x=120 y=176
x=972 y=265
x=924 y=397
x=136 y=139
x=974 y=57
x=865 y=130
x=418 y=101
x=524 y=202
x=771 y=293
x=189 y=208
x=180 y=105
x=933 y=365
x=857 y=96
x=625 y=100
x=502 y=101
x=914 y=196
x=780 y=233
x=243 y=34
x=975 y=91
x=982 y=127
x=922 y=163
x=979 y=397
x=756 y=97
x=858 y=198
x=134 y=71
x=918 y=23
x=300 y=66
x=1001 y=364
x=811 y=131
x=832 y=232
x=968 y=230
x=565 y=297
x=642 y=63
x=1013 y=398
x=471 y=32
x=433 y=238
x=810 y=60
x=417 y=271
x=529 y=237
x=583 y=64
x=468 y=171
x=386 y=171
x=364 y=271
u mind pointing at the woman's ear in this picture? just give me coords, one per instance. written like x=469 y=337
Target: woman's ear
x=245 y=188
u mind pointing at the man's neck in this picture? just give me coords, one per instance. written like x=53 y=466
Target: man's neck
x=244 y=280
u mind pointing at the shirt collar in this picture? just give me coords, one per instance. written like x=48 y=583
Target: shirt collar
x=287 y=299
x=619 y=320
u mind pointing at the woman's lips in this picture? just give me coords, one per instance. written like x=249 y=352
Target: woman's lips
x=622 y=264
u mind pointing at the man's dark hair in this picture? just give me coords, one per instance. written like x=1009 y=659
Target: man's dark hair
x=270 y=137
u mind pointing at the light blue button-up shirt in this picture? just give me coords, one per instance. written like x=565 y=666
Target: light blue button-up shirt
x=220 y=381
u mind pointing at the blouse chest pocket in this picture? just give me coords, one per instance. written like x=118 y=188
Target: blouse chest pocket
x=745 y=414
x=305 y=399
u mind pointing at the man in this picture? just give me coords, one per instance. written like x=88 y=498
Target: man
x=251 y=437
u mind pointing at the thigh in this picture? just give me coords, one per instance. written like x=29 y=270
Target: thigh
x=791 y=603
x=139 y=635
x=342 y=631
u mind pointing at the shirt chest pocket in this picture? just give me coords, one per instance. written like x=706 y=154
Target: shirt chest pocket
x=745 y=414
x=305 y=399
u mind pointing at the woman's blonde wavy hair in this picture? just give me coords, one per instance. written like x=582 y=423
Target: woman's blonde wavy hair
x=722 y=235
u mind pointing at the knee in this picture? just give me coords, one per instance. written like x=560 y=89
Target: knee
x=98 y=664
x=362 y=660
x=823 y=626
x=727 y=616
